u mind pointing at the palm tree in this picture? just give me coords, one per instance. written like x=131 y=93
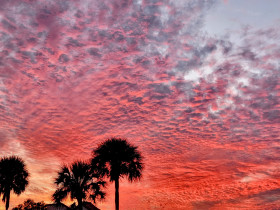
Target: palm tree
x=79 y=181
x=116 y=158
x=13 y=176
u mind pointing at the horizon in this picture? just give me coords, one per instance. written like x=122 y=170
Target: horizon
x=194 y=84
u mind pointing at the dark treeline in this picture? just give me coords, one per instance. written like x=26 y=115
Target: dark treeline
x=113 y=159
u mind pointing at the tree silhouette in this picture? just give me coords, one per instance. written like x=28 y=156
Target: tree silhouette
x=80 y=182
x=13 y=176
x=116 y=158
x=31 y=205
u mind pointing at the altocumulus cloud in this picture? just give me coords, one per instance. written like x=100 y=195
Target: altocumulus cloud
x=204 y=110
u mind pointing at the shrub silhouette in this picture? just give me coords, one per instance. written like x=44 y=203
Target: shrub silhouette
x=31 y=205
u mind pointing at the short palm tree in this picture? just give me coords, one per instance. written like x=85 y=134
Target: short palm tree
x=13 y=177
x=116 y=158
x=80 y=182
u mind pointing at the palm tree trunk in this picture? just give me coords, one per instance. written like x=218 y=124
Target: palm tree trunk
x=117 y=194
x=80 y=204
x=8 y=200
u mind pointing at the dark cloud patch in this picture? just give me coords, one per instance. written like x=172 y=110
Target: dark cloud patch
x=63 y=58
x=94 y=52
x=208 y=49
x=28 y=55
x=247 y=54
x=183 y=65
x=74 y=43
x=8 y=25
x=138 y=100
x=161 y=89
x=272 y=116
x=118 y=36
x=226 y=45
x=269 y=195
x=204 y=204
x=46 y=16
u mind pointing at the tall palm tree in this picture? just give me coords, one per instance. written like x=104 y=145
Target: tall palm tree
x=80 y=182
x=13 y=177
x=116 y=158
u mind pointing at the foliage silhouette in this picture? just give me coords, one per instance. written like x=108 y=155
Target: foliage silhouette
x=80 y=182
x=13 y=177
x=31 y=205
x=73 y=206
x=116 y=158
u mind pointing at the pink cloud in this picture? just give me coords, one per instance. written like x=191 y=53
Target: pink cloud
x=203 y=112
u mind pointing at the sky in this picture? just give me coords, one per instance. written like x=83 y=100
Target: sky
x=193 y=83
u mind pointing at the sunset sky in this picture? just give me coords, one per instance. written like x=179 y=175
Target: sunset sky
x=193 y=83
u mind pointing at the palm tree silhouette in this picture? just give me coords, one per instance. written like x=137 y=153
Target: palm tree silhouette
x=79 y=181
x=13 y=176
x=116 y=158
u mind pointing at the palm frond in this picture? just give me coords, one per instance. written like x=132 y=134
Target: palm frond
x=76 y=180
